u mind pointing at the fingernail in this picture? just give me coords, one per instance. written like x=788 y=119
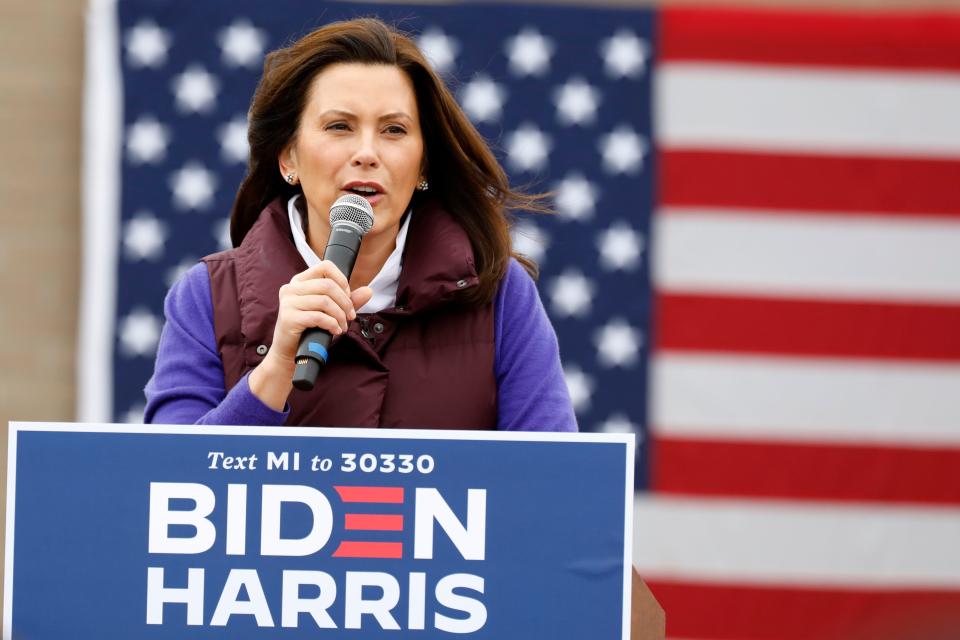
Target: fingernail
x=353 y=314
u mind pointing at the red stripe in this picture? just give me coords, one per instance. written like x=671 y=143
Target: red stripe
x=393 y=495
x=350 y=549
x=835 y=39
x=720 y=611
x=373 y=522
x=850 y=184
x=808 y=327
x=806 y=471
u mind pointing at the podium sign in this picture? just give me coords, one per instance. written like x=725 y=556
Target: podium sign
x=252 y=532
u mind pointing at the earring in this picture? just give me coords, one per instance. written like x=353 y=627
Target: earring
x=290 y=177
x=423 y=185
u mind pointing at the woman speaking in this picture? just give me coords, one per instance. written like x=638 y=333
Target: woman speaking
x=438 y=325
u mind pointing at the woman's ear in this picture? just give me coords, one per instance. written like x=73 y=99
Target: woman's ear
x=287 y=161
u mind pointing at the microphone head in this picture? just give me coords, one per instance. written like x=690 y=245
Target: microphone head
x=354 y=210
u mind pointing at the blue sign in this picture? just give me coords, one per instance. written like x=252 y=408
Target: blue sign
x=249 y=532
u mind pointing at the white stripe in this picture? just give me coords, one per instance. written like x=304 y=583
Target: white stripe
x=802 y=109
x=805 y=399
x=102 y=117
x=735 y=251
x=797 y=544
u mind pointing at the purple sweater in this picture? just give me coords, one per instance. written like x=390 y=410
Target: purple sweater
x=187 y=386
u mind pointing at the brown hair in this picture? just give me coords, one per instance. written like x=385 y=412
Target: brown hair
x=463 y=173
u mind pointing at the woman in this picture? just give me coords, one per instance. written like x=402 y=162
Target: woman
x=438 y=326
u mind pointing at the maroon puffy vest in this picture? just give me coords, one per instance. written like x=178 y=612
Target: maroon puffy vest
x=428 y=362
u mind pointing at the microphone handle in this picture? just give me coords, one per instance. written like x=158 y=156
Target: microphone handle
x=315 y=343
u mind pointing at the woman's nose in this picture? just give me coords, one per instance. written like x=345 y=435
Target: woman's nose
x=366 y=153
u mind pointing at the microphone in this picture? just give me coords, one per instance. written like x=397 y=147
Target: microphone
x=351 y=217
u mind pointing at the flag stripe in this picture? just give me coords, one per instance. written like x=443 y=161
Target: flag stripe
x=814 y=183
x=373 y=522
x=808 y=110
x=392 y=495
x=734 y=612
x=781 y=543
x=807 y=327
x=102 y=135
x=749 y=252
x=804 y=399
x=806 y=471
x=354 y=549
x=905 y=41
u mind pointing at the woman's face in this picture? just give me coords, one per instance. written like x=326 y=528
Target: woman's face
x=360 y=130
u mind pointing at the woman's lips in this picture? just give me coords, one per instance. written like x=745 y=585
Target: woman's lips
x=372 y=198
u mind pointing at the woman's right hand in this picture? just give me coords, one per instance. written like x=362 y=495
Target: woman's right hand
x=318 y=297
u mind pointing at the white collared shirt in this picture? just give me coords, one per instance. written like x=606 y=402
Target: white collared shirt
x=384 y=284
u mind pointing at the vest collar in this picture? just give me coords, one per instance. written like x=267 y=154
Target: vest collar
x=437 y=260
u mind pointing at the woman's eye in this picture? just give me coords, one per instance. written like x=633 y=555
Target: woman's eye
x=338 y=126
x=396 y=129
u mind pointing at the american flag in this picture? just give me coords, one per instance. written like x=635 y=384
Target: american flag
x=756 y=208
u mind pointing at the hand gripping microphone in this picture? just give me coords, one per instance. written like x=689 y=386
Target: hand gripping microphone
x=351 y=217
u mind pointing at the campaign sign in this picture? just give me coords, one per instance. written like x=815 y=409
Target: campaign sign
x=251 y=532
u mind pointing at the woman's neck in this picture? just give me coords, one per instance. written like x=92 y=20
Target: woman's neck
x=374 y=250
